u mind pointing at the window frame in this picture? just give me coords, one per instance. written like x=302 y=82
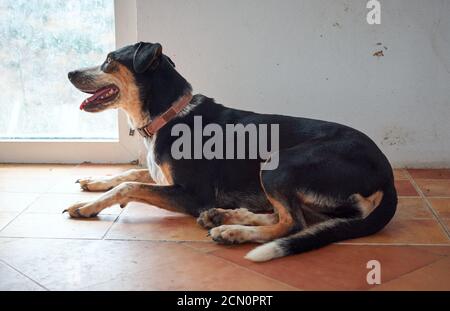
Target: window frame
x=125 y=149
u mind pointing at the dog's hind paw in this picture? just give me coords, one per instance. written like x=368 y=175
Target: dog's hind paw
x=231 y=234
x=211 y=218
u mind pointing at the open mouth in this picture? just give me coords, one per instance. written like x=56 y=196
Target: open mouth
x=100 y=97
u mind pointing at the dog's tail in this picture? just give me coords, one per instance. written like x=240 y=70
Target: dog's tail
x=329 y=231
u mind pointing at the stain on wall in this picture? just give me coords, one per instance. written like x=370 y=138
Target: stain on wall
x=396 y=136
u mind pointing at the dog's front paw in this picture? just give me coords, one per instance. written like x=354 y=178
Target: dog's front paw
x=90 y=184
x=211 y=218
x=80 y=210
x=231 y=234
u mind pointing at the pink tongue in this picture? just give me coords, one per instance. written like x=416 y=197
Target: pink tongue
x=93 y=97
x=84 y=103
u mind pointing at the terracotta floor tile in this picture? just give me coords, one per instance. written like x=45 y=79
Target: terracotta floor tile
x=6 y=217
x=400 y=174
x=135 y=209
x=405 y=188
x=413 y=208
x=205 y=247
x=11 y=280
x=57 y=226
x=68 y=264
x=435 y=276
x=25 y=184
x=36 y=170
x=10 y=201
x=191 y=270
x=57 y=202
x=140 y=222
x=412 y=231
x=79 y=263
x=434 y=187
x=127 y=265
x=81 y=260
x=429 y=173
x=335 y=267
x=441 y=206
x=438 y=250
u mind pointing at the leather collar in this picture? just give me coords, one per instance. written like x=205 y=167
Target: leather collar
x=150 y=129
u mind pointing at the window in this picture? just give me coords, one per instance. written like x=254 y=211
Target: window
x=40 y=42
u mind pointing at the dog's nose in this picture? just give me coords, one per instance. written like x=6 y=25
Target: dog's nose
x=72 y=74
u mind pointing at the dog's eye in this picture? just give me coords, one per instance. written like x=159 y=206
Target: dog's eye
x=109 y=60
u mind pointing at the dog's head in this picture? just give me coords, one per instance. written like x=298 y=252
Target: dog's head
x=135 y=77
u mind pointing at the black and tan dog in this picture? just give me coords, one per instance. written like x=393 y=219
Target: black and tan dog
x=332 y=182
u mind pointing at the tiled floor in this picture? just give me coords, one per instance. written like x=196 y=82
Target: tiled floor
x=146 y=248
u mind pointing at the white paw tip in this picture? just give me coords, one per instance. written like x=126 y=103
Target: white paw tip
x=265 y=252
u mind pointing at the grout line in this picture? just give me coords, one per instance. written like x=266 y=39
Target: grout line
x=438 y=197
x=431 y=179
x=418 y=196
x=100 y=239
x=208 y=242
x=159 y=240
x=194 y=248
x=428 y=204
x=210 y=254
x=112 y=224
x=413 y=271
x=24 y=275
x=23 y=211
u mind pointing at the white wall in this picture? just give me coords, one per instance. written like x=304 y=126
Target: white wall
x=314 y=58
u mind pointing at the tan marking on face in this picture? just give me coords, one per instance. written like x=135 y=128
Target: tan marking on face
x=368 y=204
x=128 y=98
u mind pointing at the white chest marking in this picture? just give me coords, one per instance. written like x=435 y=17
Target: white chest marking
x=155 y=171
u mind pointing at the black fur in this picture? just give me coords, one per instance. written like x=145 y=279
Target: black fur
x=324 y=158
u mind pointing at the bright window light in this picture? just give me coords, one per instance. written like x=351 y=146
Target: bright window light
x=40 y=42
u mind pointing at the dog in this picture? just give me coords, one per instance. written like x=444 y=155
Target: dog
x=332 y=182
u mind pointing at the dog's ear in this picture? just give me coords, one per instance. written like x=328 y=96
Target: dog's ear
x=170 y=61
x=146 y=56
